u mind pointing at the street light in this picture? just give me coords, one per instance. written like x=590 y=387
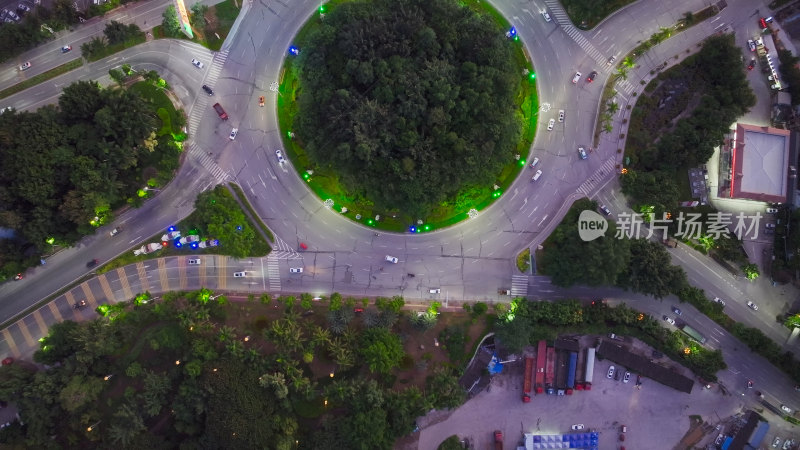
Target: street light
x=92 y=426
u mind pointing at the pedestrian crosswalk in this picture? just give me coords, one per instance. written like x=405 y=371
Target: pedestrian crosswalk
x=282 y=250
x=562 y=19
x=208 y=163
x=588 y=186
x=519 y=286
x=274 y=274
x=201 y=105
x=625 y=86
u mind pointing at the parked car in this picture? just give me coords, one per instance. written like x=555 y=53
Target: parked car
x=776 y=442
x=786 y=409
x=582 y=153
x=295 y=270
x=435 y=291
x=209 y=243
x=391 y=259
x=769 y=226
x=220 y=111
x=752 y=305
x=627 y=377
x=669 y=320
x=560 y=115
x=239 y=274
x=576 y=78
x=751 y=44
x=610 y=373
x=772 y=210
x=197 y=63
x=233 y=134
x=719 y=300
x=194 y=261
x=623 y=429
x=546 y=16
x=578 y=426
x=677 y=311
x=535 y=162
x=751 y=65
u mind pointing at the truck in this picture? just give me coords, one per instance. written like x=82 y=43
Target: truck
x=526 y=383
x=579 y=383
x=692 y=333
x=498 y=440
x=573 y=362
x=220 y=111
x=541 y=362
x=589 y=368
x=562 y=360
x=550 y=371
x=148 y=248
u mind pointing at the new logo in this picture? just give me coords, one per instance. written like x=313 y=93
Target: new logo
x=591 y=225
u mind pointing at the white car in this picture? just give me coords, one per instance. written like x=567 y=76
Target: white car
x=209 y=243
x=776 y=442
x=194 y=261
x=25 y=66
x=189 y=239
x=279 y=154
x=535 y=162
x=233 y=134
x=582 y=153
x=576 y=78
x=560 y=115
x=578 y=426
x=295 y=270
x=115 y=231
x=537 y=175
x=786 y=409
x=66 y=48
x=772 y=210
x=171 y=235
x=610 y=373
x=752 y=306
x=627 y=377
x=719 y=300
x=435 y=291
x=751 y=45
x=550 y=124
x=669 y=320
x=239 y=274
x=611 y=60
x=546 y=16
x=391 y=259
x=197 y=63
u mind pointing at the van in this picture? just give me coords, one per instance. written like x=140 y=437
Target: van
x=220 y=112
x=537 y=175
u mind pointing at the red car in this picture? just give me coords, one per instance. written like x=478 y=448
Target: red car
x=8 y=361
x=751 y=65
x=763 y=22
x=18 y=276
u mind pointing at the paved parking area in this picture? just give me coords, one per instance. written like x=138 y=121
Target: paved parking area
x=657 y=417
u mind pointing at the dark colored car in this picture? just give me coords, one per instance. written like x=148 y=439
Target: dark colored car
x=220 y=112
x=751 y=65
x=591 y=76
x=92 y=263
x=208 y=90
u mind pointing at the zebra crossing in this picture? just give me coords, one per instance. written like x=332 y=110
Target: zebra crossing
x=588 y=186
x=201 y=106
x=625 y=86
x=519 y=286
x=562 y=19
x=282 y=250
x=274 y=274
x=208 y=163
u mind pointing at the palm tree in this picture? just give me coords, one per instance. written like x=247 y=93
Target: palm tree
x=607 y=127
x=227 y=333
x=688 y=18
x=628 y=62
x=612 y=107
x=622 y=72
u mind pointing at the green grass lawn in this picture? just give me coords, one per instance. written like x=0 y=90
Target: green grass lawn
x=325 y=183
x=163 y=106
x=588 y=13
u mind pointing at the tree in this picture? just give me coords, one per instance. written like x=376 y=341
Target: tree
x=400 y=126
x=650 y=271
x=197 y=18
x=442 y=389
x=128 y=424
x=381 y=350
x=750 y=271
x=170 y=23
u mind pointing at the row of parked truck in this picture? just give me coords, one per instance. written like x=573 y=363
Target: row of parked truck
x=541 y=374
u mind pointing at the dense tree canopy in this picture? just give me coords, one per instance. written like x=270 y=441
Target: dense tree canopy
x=408 y=100
x=61 y=167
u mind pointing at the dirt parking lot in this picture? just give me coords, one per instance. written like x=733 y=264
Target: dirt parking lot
x=657 y=417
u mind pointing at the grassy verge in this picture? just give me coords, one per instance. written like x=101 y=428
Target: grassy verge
x=111 y=49
x=42 y=77
x=586 y=14
x=325 y=184
x=256 y=217
x=524 y=260
x=224 y=14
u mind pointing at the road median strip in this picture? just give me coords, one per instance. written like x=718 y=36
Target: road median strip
x=42 y=77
